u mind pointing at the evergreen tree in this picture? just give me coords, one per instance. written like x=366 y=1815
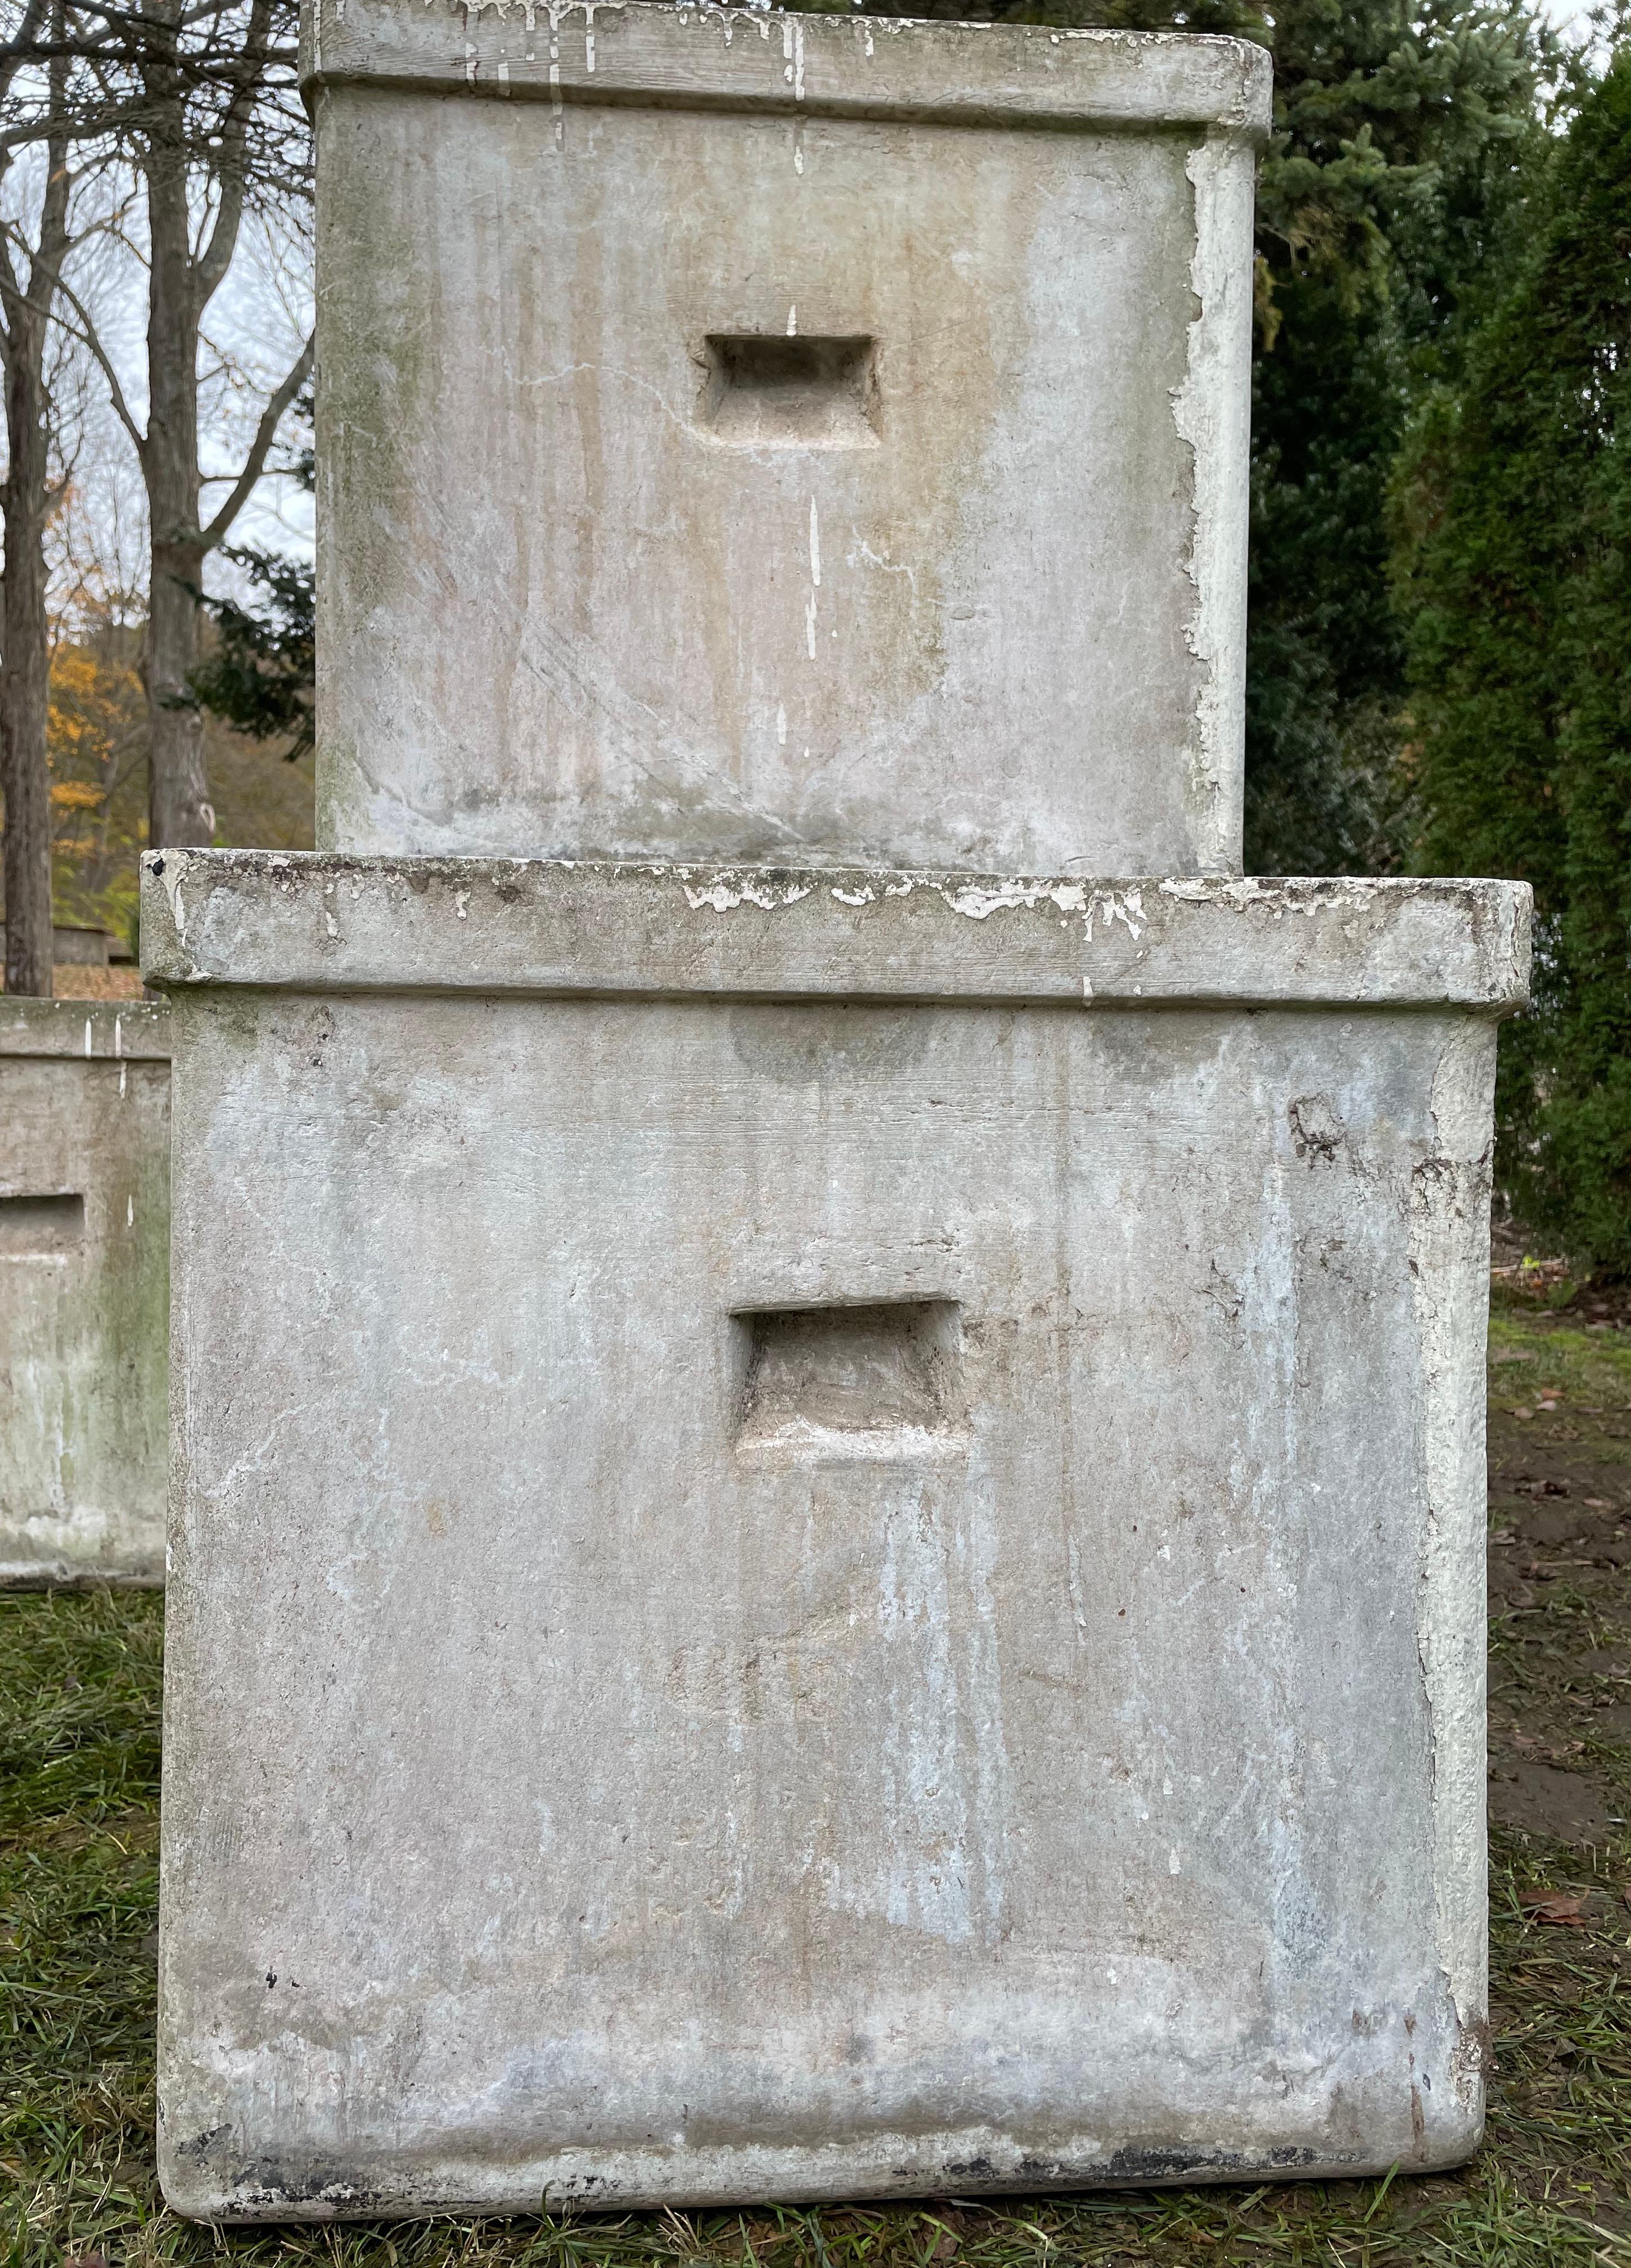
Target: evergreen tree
x=1515 y=529
x=261 y=673
x=1401 y=141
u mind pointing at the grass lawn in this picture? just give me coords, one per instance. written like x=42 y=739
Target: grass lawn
x=79 y=1680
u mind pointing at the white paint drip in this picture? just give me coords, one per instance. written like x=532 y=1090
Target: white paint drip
x=781 y=728
x=170 y=875
x=792 y=321
x=122 y=1068
x=730 y=890
x=556 y=12
x=130 y=1212
x=87 y=1035
x=861 y=550
x=810 y=614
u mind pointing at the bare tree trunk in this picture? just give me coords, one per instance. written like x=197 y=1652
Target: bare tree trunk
x=178 y=801
x=25 y=660
x=24 y=777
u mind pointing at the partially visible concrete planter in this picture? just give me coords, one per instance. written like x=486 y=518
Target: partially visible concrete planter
x=849 y=1559
x=85 y=1213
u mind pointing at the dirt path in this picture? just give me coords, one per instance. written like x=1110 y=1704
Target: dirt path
x=1560 y=1709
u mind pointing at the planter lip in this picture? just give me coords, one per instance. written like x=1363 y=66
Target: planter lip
x=119 y=1031
x=327 y=923
x=697 y=56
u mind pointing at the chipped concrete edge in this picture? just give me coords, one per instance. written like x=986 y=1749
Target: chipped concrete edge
x=321 y=922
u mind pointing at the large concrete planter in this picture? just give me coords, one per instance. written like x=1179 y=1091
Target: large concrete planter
x=85 y=1196
x=777 y=437
x=850 y=1559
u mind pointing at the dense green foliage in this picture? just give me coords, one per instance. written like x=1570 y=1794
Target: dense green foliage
x=261 y=674
x=1398 y=154
x=1397 y=151
x=1514 y=534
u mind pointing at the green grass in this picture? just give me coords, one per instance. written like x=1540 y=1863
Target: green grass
x=79 y=1680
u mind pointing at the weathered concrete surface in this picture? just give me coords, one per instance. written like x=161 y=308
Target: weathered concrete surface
x=762 y=438
x=84 y=1191
x=818 y=1597
x=323 y=923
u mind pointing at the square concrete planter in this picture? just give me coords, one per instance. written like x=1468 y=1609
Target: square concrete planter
x=834 y=1523
x=781 y=438
x=84 y=1198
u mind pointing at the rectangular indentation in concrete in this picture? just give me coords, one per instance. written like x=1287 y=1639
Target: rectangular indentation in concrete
x=770 y=393
x=879 y=1381
x=31 y=1226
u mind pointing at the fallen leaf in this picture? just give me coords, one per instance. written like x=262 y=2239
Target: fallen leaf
x=1599 y=1504
x=1556 y=1906
x=1522 y=1413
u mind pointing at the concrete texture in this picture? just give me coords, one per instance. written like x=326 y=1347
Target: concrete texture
x=820 y=1595
x=780 y=439
x=425 y=925
x=84 y=1200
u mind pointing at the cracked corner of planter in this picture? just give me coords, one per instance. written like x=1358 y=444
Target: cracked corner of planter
x=165 y=907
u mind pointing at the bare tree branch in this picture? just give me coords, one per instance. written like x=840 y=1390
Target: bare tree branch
x=215 y=258
x=86 y=335
x=266 y=433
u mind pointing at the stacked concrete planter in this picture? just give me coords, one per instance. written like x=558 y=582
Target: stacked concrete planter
x=829 y=1497
x=84 y=1191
